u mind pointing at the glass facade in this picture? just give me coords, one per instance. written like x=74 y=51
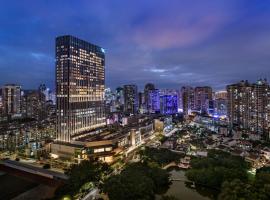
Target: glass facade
x=80 y=84
x=130 y=99
x=168 y=104
x=154 y=101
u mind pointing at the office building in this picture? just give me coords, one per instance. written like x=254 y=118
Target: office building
x=1 y=103
x=148 y=87
x=80 y=84
x=202 y=96
x=34 y=104
x=154 y=101
x=187 y=93
x=130 y=99
x=119 y=99
x=168 y=104
x=11 y=97
x=46 y=91
x=110 y=101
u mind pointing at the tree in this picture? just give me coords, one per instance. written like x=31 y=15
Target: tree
x=130 y=187
x=217 y=168
x=86 y=171
x=136 y=181
x=80 y=174
x=234 y=190
x=160 y=156
x=256 y=190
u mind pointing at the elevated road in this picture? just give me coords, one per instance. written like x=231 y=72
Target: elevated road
x=33 y=173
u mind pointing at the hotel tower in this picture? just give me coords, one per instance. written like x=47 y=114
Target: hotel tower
x=80 y=83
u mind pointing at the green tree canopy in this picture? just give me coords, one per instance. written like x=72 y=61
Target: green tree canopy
x=80 y=174
x=218 y=167
x=136 y=181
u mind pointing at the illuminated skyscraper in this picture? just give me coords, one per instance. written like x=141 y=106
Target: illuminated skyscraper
x=141 y=102
x=11 y=99
x=187 y=93
x=33 y=104
x=80 y=84
x=220 y=103
x=202 y=97
x=148 y=87
x=239 y=104
x=154 y=101
x=221 y=94
x=168 y=104
x=249 y=106
x=120 y=99
x=130 y=99
x=1 y=102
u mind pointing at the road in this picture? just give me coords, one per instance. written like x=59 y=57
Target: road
x=91 y=195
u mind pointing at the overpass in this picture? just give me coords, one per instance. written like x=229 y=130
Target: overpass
x=31 y=172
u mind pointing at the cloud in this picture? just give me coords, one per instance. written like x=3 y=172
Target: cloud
x=39 y=56
x=159 y=33
x=156 y=70
x=170 y=43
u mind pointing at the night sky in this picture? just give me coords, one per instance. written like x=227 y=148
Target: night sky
x=170 y=43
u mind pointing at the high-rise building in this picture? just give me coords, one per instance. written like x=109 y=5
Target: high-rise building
x=168 y=104
x=220 y=107
x=260 y=121
x=249 y=106
x=130 y=99
x=80 y=84
x=1 y=103
x=148 y=87
x=187 y=93
x=239 y=104
x=110 y=101
x=220 y=94
x=173 y=92
x=154 y=101
x=11 y=99
x=46 y=91
x=34 y=104
x=141 y=102
x=202 y=97
x=119 y=99
x=220 y=103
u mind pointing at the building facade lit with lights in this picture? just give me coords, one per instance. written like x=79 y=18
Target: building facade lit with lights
x=130 y=99
x=249 y=106
x=187 y=93
x=202 y=97
x=147 y=88
x=80 y=84
x=11 y=98
x=154 y=101
x=168 y=104
x=221 y=103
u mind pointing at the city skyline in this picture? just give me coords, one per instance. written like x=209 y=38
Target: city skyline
x=117 y=100
x=170 y=45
